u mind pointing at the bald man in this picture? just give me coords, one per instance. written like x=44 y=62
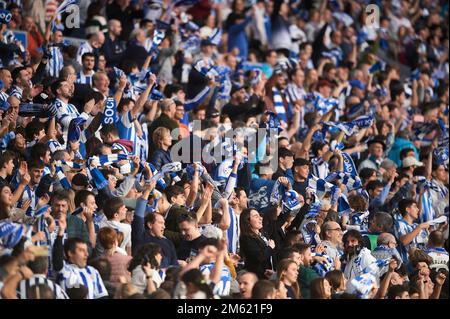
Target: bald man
x=331 y=234
x=94 y=43
x=246 y=282
x=113 y=47
x=387 y=248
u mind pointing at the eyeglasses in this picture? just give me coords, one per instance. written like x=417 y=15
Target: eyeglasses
x=338 y=229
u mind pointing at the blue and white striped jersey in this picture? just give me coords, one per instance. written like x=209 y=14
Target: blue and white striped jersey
x=65 y=113
x=233 y=232
x=127 y=130
x=3 y=96
x=84 y=47
x=71 y=276
x=56 y=63
x=222 y=288
x=37 y=279
x=84 y=78
x=16 y=92
x=401 y=228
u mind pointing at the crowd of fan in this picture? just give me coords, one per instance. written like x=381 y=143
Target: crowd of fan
x=329 y=128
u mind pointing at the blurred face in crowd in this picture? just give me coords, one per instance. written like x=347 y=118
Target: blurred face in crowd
x=79 y=256
x=90 y=203
x=188 y=230
x=281 y=81
x=88 y=63
x=102 y=83
x=65 y=90
x=326 y=289
x=115 y=27
x=441 y=174
x=255 y=220
x=158 y=227
x=306 y=257
x=9 y=167
x=59 y=206
x=334 y=233
x=239 y=96
x=376 y=150
x=179 y=113
x=58 y=37
x=302 y=171
x=291 y=273
x=299 y=77
x=36 y=174
x=5 y=77
x=101 y=63
x=246 y=283
x=286 y=162
x=325 y=91
x=413 y=211
x=242 y=199
x=180 y=199
x=271 y=59
x=6 y=196
x=350 y=244
x=200 y=115
x=28 y=24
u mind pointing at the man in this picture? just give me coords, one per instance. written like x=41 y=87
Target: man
x=356 y=258
x=115 y=211
x=331 y=234
x=261 y=188
x=439 y=194
x=35 y=170
x=39 y=266
x=150 y=229
x=166 y=119
x=306 y=273
x=175 y=200
x=192 y=238
x=63 y=110
x=75 y=272
x=85 y=202
x=386 y=248
x=5 y=77
x=87 y=72
x=100 y=83
x=238 y=109
x=56 y=62
x=295 y=92
x=135 y=50
x=6 y=166
x=435 y=249
x=381 y=222
x=22 y=83
x=213 y=267
x=247 y=281
x=377 y=147
x=409 y=164
x=238 y=203
x=110 y=136
x=301 y=173
x=409 y=233
x=93 y=44
x=285 y=163
x=113 y=47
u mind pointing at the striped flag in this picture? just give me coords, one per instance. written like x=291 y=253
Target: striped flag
x=65 y=5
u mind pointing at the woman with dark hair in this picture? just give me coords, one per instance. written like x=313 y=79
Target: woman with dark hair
x=5 y=201
x=287 y=272
x=196 y=286
x=320 y=289
x=337 y=282
x=145 y=266
x=256 y=250
x=275 y=224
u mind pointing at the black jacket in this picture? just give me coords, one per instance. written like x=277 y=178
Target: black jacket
x=256 y=254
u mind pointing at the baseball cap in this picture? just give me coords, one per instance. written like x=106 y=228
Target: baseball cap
x=236 y=87
x=215 y=113
x=411 y=161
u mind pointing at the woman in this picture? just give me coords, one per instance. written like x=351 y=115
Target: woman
x=5 y=201
x=196 y=286
x=320 y=289
x=337 y=282
x=256 y=250
x=287 y=273
x=119 y=262
x=275 y=224
x=144 y=268
x=163 y=140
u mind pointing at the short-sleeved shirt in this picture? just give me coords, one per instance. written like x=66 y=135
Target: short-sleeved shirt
x=401 y=228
